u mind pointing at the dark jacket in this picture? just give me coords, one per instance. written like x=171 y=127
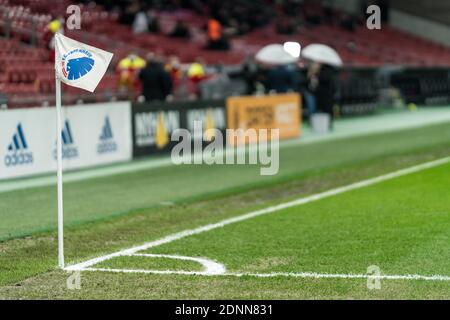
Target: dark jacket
x=156 y=82
x=280 y=79
x=326 y=90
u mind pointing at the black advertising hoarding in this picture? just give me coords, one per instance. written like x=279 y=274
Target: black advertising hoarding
x=153 y=123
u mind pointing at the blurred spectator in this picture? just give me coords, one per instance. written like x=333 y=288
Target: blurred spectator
x=128 y=69
x=181 y=30
x=156 y=82
x=323 y=85
x=328 y=11
x=349 y=22
x=128 y=11
x=185 y=89
x=281 y=79
x=250 y=75
x=141 y=22
x=313 y=16
x=196 y=72
x=292 y=7
x=173 y=67
x=285 y=25
x=216 y=39
x=242 y=15
x=56 y=25
x=218 y=86
x=153 y=24
x=312 y=83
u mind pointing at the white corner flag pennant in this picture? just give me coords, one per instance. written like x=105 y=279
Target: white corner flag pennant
x=78 y=64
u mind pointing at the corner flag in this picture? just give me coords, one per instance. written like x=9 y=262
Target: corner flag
x=81 y=66
x=78 y=64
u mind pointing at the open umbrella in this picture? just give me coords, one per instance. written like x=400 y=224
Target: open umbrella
x=323 y=54
x=274 y=54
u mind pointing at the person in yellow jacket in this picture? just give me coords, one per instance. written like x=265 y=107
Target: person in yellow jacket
x=196 y=72
x=56 y=25
x=128 y=69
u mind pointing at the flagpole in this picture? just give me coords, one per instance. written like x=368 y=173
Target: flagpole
x=96 y=64
x=59 y=174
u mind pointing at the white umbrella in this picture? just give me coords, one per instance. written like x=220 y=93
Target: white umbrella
x=323 y=54
x=275 y=54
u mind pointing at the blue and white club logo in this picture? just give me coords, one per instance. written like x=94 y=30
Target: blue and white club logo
x=107 y=144
x=69 y=149
x=18 y=151
x=76 y=64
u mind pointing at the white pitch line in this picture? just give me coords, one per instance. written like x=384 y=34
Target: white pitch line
x=209 y=267
x=280 y=274
x=183 y=234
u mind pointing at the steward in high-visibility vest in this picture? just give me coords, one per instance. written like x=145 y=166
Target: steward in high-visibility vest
x=128 y=69
x=214 y=30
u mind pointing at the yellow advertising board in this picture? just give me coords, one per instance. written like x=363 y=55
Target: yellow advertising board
x=265 y=112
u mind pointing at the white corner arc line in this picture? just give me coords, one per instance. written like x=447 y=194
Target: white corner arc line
x=314 y=275
x=209 y=267
x=183 y=234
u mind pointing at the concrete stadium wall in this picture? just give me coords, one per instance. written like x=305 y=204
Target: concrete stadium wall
x=421 y=27
x=438 y=11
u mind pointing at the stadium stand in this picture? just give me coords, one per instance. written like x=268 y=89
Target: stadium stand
x=26 y=68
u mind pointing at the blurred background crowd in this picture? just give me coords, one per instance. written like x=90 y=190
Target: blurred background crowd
x=205 y=49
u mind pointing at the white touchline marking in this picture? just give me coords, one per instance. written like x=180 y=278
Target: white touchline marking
x=183 y=234
x=281 y=274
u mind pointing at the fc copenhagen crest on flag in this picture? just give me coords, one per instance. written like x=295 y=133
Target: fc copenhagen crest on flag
x=80 y=65
x=76 y=64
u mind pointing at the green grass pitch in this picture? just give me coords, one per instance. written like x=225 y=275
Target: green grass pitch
x=400 y=225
